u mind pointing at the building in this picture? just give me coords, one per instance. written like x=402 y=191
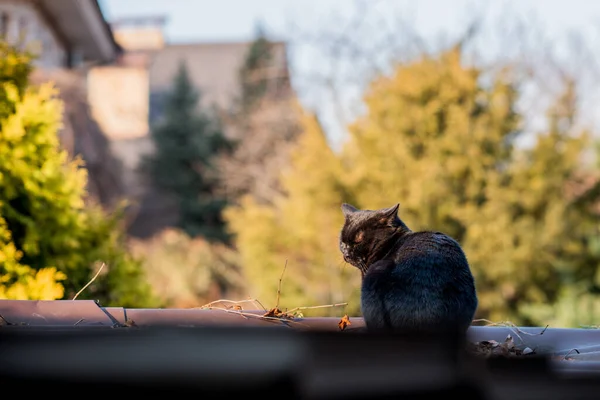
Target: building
x=68 y=38
x=64 y=33
x=127 y=98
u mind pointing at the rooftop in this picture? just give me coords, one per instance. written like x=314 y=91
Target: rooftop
x=81 y=24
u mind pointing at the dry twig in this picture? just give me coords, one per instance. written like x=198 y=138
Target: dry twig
x=234 y=302
x=315 y=307
x=261 y=316
x=569 y=352
x=275 y=313
x=515 y=329
x=279 y=286
x=89 y=283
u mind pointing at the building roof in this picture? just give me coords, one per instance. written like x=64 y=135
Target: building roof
x=82 y=26
x=212 y=67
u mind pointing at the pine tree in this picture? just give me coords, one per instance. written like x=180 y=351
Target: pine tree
x=300 y=227
x=186 y=144
x=50 y=239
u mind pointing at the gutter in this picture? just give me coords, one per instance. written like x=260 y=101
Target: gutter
x=80 y=345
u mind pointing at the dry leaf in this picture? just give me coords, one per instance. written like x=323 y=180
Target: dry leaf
x=488 y=348
x=130 y=323
x=273 y=313
x=344 y=322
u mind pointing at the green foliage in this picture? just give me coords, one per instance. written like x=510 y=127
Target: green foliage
x=189 y=272
x=186 y=144
x=301 y=227
x=49 y=231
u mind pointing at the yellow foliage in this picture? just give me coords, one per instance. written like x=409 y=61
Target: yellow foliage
x=46 y=225
x=439 y=139
x=188 y=272
x=21 y=282
x=300 y=227
x=35 y=285
x=441 y=143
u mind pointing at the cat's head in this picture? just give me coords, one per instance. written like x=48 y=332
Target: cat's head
x=366 y=232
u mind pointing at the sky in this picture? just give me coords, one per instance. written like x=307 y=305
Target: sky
x=231 y=20
x=236 y=19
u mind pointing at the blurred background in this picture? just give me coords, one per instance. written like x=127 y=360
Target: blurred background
x=184 y=151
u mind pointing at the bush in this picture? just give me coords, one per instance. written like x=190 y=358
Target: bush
x=189 y=272
x=51 y=236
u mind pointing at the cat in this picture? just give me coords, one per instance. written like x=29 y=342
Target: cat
x=410 y=280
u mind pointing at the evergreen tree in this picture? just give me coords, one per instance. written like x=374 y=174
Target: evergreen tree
x=50 y=240
x=186 y=144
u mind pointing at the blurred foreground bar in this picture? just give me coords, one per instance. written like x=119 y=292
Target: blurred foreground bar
x=83 y=348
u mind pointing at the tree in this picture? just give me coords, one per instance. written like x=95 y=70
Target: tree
x=50 y=239
x=254 y=74
x=550 y=203
x=442 y=143
x=186 y=146
x=300 y=228
x=262 y=122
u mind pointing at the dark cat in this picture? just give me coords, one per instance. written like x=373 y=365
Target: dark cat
x=410 y=280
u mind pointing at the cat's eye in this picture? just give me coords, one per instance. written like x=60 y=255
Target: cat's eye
x=359 y=237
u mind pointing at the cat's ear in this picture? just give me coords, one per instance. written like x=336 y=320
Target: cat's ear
x=348 y=209
x=389 y=215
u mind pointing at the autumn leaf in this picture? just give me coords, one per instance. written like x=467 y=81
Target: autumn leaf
x=344 y=322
